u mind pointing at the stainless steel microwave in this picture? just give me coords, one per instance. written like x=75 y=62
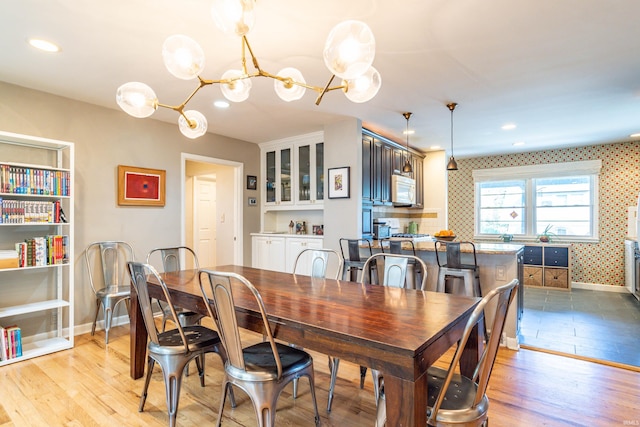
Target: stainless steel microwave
x=403 y=190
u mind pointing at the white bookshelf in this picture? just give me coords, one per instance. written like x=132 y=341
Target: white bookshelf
x=38 y=299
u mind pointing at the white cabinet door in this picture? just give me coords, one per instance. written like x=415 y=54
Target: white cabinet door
x=629 y=266
x=294 y=246
x=269 y=253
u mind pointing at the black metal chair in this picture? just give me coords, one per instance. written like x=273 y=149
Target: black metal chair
x=173 y=349
x=107 y=270
x=261 y=370
x=454 y=399
x=354 y=262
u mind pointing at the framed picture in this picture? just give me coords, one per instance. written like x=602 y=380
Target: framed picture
x=252 y=182
x=318 y=230
x=141 y=186
x=339 y=183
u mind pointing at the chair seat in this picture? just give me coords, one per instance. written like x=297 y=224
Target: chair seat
x=198 y=338
x=114 y=291
x=462 y=267
x=457 y=405
x=259 y=361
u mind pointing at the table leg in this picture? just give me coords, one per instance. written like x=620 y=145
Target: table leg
x=138 y=339
x=406 y=401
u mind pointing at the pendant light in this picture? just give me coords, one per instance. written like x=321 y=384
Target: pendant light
x=452 y=165
x=407 y=165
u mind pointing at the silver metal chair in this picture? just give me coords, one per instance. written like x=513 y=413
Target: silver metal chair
x=107 y=270
x=454 y=399
x=396 y=246
x=395 y=271
x=173 y=349
x=354 y=262
x=261 y=370
x=318 y=260
x=175 y=259
x=469 y=273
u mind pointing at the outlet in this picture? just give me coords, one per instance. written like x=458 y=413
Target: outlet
x=500 y=272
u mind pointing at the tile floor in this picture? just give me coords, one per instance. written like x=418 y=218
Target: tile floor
x=595 y=324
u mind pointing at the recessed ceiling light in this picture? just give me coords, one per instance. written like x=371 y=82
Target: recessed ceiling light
x=509 y=126
x=408 y=132
x=635 y=135
x=434 y=147
x=221 y=104
x=519 y=143
x=44 y=45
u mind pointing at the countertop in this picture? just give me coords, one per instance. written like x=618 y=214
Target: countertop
x=481 y=248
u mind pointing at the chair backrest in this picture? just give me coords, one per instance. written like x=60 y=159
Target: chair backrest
x=108 y=259
x=482 y=373
x=318 y=261
x=175 y=258
x=454 y=254
x=353 y=248
x=139 y=274
x=395 y=269
x=218 y=294
x=395 y=246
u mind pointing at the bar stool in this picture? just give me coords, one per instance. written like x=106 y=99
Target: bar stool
x=414 y=272
x=354 y=262
x=454 y=268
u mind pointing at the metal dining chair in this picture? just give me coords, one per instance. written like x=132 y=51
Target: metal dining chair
x=318 y=260
x=107 y=270
x=174 y=349
x=354 y=262
x=454 y=399
x=261 y=370
x=176 y=259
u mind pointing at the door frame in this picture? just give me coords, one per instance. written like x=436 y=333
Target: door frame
x=238 y=173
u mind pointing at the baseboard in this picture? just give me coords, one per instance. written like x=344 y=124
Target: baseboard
x=599 y=287
x=86 y=327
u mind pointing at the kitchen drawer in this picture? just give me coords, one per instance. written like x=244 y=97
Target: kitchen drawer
x=556 y=278
x=556 y=257
x=532 y=276
x=533 y=255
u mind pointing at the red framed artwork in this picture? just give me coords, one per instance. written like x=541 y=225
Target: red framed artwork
x=141 y=186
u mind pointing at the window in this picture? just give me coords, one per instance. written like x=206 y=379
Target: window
x=525 y=200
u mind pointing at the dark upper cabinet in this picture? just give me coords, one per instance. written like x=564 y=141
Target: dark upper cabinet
x=367 y=164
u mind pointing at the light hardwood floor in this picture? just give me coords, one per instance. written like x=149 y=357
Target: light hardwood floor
x=90 y=386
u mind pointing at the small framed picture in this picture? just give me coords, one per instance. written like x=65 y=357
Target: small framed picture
x=318 y=230
x=252 y=182
x=339 y=183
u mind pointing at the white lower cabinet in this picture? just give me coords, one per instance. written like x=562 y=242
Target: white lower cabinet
x=268 y=252
x=279 y=252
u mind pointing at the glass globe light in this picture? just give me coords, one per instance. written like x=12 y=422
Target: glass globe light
x=238 y=90
x=364 y=87
x=137 y=99
x=350 y=49
x=286 y=90
x=183 y=57
x=234 y=16
x=196 y=128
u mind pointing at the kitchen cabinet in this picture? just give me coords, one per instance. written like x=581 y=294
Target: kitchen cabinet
x=547 y=266
x=37 y=286
x=629 y=265
x=293 y=173
x=278 y=252
x=380 y=159
x=268 y=252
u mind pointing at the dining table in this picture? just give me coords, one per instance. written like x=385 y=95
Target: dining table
x=400 y=332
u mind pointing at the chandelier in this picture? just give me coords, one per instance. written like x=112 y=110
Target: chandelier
x=348 y=54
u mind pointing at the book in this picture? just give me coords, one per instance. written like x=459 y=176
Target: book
x=3 y=344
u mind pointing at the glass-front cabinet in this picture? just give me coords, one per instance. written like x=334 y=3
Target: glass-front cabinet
x=293 y=173
x=278 y=183
x=310 y=166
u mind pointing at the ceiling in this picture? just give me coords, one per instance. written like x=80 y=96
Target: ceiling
x=566 y=72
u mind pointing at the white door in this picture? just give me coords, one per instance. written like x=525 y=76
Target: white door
x=205 y=220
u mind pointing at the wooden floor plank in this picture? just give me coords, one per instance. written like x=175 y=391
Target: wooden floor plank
x=90 y=386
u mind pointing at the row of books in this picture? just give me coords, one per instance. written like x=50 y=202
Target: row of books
x=10 y=342
x=31 y=211
x=24 y=180
x=42 y=251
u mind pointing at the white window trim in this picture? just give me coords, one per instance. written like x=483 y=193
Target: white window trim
x=587 y=167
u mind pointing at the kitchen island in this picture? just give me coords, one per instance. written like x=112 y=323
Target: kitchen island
x=498 y=263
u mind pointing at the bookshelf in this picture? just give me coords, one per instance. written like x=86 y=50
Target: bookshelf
x=37 y=291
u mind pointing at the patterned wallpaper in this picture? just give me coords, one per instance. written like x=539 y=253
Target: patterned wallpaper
x=599 y=263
